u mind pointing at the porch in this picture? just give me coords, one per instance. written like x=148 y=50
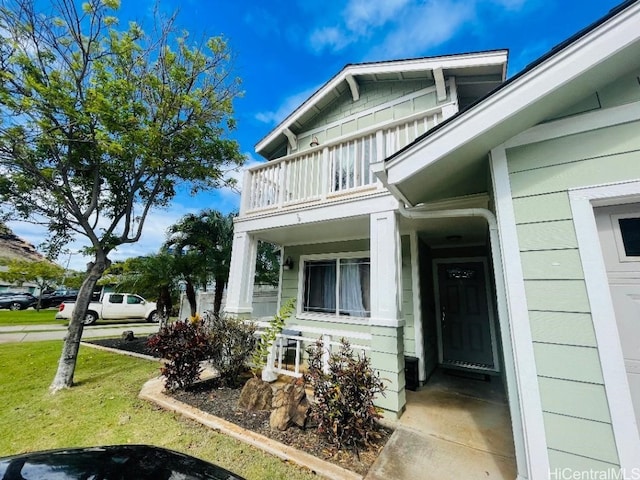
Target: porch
x=453 y=427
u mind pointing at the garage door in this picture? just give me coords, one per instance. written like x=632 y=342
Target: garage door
x=619 y=231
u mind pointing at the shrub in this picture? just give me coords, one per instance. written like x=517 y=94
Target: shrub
x=232 y=342
x=343 y=398
x=269 y=335
x=183 y=345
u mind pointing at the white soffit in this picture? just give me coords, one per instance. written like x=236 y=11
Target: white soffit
x=348 y=74
x=593 y=60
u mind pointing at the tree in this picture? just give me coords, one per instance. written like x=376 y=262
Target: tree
x=44 y=274
x=153 y=277
x=203 y=243
x=100 y=126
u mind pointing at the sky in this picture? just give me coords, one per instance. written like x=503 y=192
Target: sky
x=284 y=50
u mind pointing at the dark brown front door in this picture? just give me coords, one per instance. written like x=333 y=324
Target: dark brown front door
x=466 y=339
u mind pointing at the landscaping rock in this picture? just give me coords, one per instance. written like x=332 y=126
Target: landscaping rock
x=127 y=336
x=256 y=395
x=291 y=407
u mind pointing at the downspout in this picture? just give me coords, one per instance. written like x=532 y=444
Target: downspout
x=502 y=306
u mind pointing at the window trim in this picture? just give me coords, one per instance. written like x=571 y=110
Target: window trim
x=326 y=317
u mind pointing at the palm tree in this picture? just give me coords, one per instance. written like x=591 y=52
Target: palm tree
x=202 y=243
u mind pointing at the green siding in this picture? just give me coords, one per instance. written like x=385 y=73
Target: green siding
x=560 y=460
x=568 y=362
x=557 y=295
x=550 y=235
x=589 y=439
x=407 y=299
x=552 y=264
x=562 y=328
x=576 y=411
x=559 y=396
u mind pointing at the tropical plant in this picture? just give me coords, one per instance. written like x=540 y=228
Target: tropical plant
x=184 y=345
x=232 y=343
x=269 y=335
x=100 y=125
x=206 y=237
x=343 y=396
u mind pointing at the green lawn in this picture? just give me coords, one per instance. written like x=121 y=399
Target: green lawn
x=29 y=317
x=103 y=408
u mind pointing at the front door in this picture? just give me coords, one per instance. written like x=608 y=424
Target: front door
x=465 y=330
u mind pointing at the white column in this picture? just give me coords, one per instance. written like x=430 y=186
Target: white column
x=385 y=270
x=241 y=274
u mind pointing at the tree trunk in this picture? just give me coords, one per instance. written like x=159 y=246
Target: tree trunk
x=217 y=296
x=164 y=303
x=67 y=362
x=191 y=297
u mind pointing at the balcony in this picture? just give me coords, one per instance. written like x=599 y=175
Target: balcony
x=332 y=171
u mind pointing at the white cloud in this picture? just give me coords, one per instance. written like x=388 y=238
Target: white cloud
x=399 y=28
x=286 y=107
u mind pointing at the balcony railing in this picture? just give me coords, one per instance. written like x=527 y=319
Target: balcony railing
x=339 y=168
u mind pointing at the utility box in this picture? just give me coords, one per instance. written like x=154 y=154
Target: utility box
x=411 y=376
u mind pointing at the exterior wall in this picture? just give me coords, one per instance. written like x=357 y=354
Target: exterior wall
x=624 y=90
x=345 y=117
x=575 y=409
x=407 y=299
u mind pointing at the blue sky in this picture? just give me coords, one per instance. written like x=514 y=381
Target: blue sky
x=285 y=49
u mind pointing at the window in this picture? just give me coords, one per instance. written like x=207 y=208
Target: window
x=337 y=287
x=115 y=298
x=133 y=300
x=630 y=232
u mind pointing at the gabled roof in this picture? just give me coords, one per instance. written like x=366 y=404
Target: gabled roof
x=445 y=160
x=484 y=71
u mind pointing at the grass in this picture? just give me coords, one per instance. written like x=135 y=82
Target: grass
x=103 y=408
x=29 y=317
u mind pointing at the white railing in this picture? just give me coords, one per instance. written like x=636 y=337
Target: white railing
x=340 y=167
x=307 y=336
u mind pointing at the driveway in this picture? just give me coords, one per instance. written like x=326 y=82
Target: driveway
x=36 y=333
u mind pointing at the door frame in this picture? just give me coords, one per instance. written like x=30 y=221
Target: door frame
x=582 y=201
x=436 y=262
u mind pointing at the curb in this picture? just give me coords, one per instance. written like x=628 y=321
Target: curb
x=153 y=390
x=121 y=352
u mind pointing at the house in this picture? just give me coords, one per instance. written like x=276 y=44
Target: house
x=436 y=211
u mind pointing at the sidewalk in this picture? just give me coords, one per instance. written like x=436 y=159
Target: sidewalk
x=37 y=333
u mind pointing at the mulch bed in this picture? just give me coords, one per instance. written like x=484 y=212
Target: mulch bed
x=222 y=402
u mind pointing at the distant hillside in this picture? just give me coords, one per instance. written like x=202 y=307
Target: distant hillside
x=13 y=247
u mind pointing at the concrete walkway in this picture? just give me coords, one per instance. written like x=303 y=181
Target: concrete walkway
x=36 y=333
x=453 y=428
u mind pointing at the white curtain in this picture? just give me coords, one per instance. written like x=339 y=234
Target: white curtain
x=351 y=290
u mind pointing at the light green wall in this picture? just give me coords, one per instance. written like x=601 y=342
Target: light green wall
x=576 y=413
x=625 y=89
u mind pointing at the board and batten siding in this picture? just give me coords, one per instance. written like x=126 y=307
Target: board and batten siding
x=574 y=403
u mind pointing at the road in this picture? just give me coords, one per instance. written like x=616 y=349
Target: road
x=36 y=333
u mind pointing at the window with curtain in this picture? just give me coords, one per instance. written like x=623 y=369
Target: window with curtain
x=337 y=287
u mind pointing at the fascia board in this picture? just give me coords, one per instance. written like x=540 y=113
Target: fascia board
x=498 y=57
x=514 y=100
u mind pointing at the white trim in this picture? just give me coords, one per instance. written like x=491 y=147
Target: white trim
x=441 y=90
x=353 y=85
x=490 y=307
x=470 y=60
x=326 y=317
x=584 y=122
x=530 y=98
x=532 y=458
x=418 y=327
x=582 y=201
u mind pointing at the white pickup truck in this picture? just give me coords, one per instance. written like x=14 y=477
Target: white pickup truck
x=112 y=307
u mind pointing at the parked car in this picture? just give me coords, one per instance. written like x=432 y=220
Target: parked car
x=111 y=463
x=114 y=306
x=17 y=300
x=54 y=299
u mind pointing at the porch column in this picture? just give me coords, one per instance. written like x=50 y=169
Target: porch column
x=387 y=325
x=241 y=275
